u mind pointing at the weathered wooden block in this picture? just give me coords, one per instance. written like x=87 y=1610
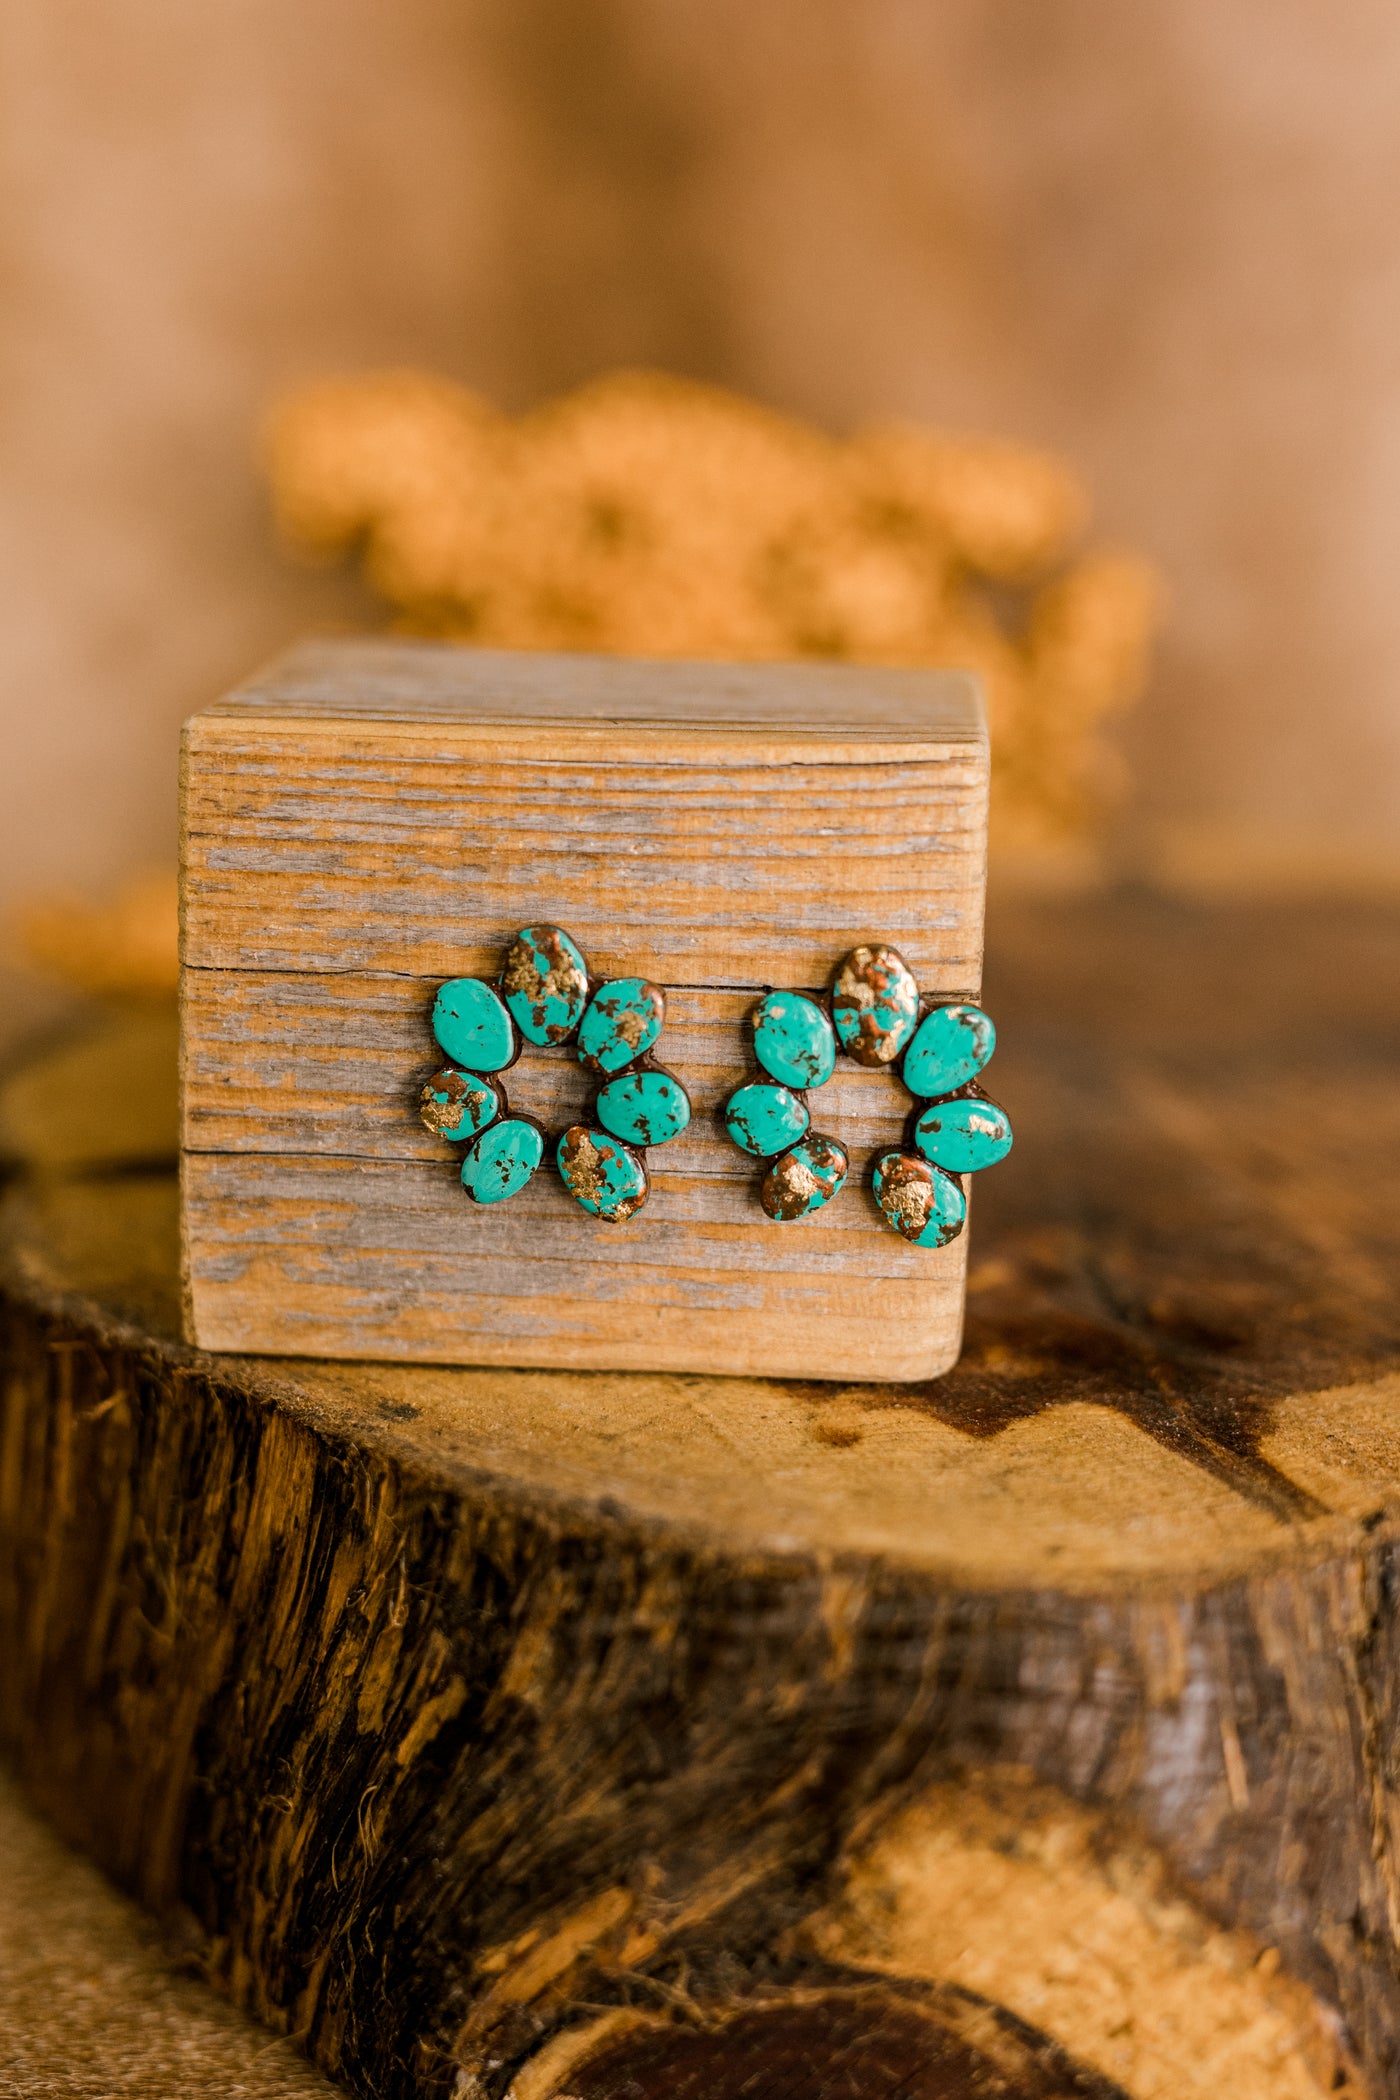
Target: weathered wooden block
x=369 y=819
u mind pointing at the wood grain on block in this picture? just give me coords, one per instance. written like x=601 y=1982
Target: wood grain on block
x=320 y=1256
x=368 y=819
x=693 y=854
x=309 y=848
x=334 y=1063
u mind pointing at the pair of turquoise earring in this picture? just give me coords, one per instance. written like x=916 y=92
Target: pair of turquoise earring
x=875 y=1015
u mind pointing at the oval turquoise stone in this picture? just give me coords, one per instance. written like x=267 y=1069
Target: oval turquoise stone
x=874 y=1003
x=458 y=1105
x=623 y=1020
x=922 y=1202
x=502 y=1160
x=793 y=1039
x=473 y=1026
x=606 y=1177
x=545 y=981
x=951 y=1047
x=805 y=1178
x=964 y=1135
x=643 y=1108
x=764 y=1119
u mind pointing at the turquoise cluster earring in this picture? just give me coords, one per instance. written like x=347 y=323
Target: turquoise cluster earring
x=544 y=996
x=879 y=1020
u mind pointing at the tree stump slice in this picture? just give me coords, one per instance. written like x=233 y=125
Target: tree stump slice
x=1031 y=1732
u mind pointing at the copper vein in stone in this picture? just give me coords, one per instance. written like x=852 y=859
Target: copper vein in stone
x=459 y=1105
x=602 y=1174
x=804 y=1179
x=874 y=1004
x=922 y=1203
x=545 y=981
x=623 y=1020
x=952 y=1045
x=963 y=1134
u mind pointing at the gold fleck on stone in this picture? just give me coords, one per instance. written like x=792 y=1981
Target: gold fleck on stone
x=874 y=1004
x=924 y=1205
x=805 y=1179
x=606 y=1177
x=545 y=982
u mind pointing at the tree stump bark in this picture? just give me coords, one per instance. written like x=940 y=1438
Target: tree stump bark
x=1030 y=1732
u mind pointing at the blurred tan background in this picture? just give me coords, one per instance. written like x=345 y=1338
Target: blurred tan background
x=1163 y=238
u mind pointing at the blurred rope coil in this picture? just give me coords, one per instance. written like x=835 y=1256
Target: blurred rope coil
x=645 y=515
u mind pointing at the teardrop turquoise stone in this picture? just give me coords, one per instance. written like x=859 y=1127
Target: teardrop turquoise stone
x=793 y=1039
x=951 y=1047
x=473 y=1026
x=607 y=1178
x=643 y=1108
x=502 y=1160
x=874 y=1003
x=963 y=1135
x=545 y=981
x=805 y=1178
x=922 y=1202
x=458 y=1105
x=765 y=1119
x=623 y=1020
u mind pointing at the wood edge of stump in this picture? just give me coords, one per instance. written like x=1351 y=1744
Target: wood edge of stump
x=273 y=1383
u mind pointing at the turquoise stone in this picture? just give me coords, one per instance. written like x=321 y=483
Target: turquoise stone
x=765 y=1119
x=608 y=1178
x=545 y=981
x=643 y=1108
x=458 y=1105
x=473 y=1026
x=793 y=1039
x=963 y=1135
x=951 y=1047
x=502 y=1160
x=623 y=1019
x=874 y=1003
x=919 y=1199
x=805 y=1178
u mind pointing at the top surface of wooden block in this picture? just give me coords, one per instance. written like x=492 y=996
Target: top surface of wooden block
x=432 y=683
x=404 y=807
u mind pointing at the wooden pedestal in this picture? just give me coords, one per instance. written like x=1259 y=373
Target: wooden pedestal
x=370 y=819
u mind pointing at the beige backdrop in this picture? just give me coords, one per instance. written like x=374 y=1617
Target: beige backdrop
x=1162 y=236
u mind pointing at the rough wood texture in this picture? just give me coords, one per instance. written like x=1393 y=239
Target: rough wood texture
x=578 y=1734
x=305 y=1155
x=369 y=819
x=405 y=807
x=333 y=1066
